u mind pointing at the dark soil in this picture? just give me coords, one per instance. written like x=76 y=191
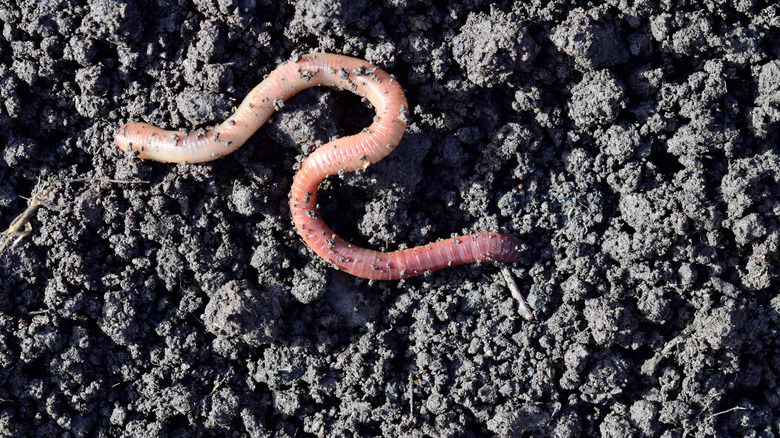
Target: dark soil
x=633 y=147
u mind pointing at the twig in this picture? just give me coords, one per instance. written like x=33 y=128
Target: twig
x=735 y=408
x=650 y=368
x=20 y=227
x=523 y=307
x=688 y=430
x=411 y=397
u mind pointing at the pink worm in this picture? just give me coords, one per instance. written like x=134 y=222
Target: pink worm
x=345 y=154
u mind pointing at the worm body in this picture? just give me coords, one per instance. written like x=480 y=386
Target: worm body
x=345 y=154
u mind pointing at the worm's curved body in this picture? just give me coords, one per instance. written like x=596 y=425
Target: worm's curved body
x=345 y=154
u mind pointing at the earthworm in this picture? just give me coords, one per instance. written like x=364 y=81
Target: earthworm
x=344 y=154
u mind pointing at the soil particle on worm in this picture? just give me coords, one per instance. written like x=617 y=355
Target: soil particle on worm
x=632 y=147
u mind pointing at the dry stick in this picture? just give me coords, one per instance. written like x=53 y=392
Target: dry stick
x=716 y=414
x=523 y=307
x=735 y=408
x=20 y=227
x=667 y=349
x=411 y=397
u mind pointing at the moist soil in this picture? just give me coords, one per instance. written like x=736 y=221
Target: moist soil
x=631 y=146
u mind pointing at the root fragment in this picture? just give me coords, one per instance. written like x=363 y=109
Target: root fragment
x=21 y=227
